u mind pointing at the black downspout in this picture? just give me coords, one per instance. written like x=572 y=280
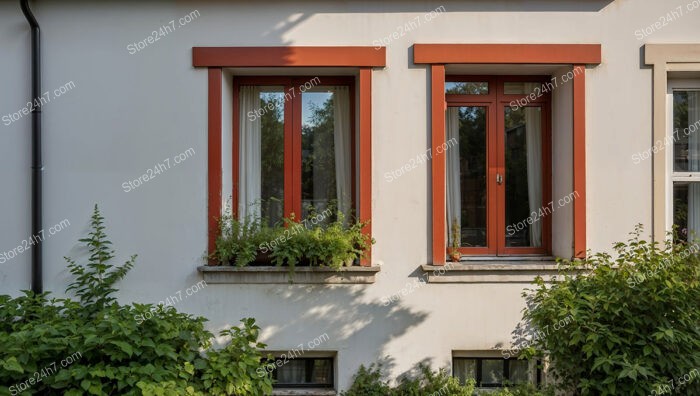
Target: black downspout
x=37 y=162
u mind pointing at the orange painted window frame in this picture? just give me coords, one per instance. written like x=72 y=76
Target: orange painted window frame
x=217 y=58
x=439 y=55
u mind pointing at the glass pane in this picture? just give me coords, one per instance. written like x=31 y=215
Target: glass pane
x=523 y=149
x=491 y=372
x=686 y=210
x=325 y=152
x=272 y=157
x=466 y=175
x=516 y=88
x=518 y=371
x=261 y=177
x=322 y=372
x=309 y=372
x=464 y=369
x=467 y=88
x=686 y=131
x=292 y=372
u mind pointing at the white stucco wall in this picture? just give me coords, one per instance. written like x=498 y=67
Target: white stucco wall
x=130 y=112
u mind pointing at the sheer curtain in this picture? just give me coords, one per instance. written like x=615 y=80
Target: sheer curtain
x=533 y=140
x=249 y=177
x=341 y=142
x=454 y=194
x=693 y=165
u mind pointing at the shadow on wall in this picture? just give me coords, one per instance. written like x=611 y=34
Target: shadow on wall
x=341 y=312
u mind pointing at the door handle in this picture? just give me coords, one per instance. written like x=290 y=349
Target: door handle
x=499 y=178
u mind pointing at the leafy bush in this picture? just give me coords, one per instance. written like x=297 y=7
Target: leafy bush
x=96 y=346
x=636 y=319
x=369 y=382
x=521 y=390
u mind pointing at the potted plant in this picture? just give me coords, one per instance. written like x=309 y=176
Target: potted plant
x=246 y=241
x=453 y=250
x=333 y=245
x=234 y=243
x=252 y=242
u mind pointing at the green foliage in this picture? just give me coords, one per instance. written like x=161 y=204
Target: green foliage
x=309 y=242
x=521 y=390
x=95 y=346
x=236 y=369
x=426 y=382
x=94 y=281
x=239 y=241
x=368 y=382
x=636 y=323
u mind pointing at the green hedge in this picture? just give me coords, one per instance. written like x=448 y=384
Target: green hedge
x=96 y=346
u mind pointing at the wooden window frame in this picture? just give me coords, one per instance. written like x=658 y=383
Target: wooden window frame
x=292 y=134
x=496 y=101
x=361 y=59
x=436 y=56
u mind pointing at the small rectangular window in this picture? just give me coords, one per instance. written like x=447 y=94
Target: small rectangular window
x=303 y=373
x=467 y=88
x=494 y=372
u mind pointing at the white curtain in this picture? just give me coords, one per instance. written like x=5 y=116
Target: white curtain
x=341 y=142
x=454 y=194
x=693 y=165
x=249 y=177
x=533 y=140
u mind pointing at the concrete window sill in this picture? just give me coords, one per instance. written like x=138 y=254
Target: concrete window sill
x=492 y=270
x=300 y=392
x=302 y=275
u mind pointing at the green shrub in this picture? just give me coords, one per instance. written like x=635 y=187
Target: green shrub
x=369 y=382
x=520 y=390
x=636 y=323
x=96 y=346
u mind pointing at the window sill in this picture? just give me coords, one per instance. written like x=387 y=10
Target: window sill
x=492 y=270
x=302 y=275
x=299 y=392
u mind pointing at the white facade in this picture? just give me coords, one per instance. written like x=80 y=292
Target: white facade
x=127 y=112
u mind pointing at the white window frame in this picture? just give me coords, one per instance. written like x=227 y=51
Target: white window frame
x=675 y=85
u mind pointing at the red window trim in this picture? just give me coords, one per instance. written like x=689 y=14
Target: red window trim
x=495 y=101
x=289 y=56
x=507 y=53
x=292 y=130
x=214 y=157
x=362 y=58
x=437 y=55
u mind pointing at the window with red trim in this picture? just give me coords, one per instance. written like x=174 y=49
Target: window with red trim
x=294 y=147
x=498 y=164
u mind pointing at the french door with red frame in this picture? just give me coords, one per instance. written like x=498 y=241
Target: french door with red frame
x=498 y=164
